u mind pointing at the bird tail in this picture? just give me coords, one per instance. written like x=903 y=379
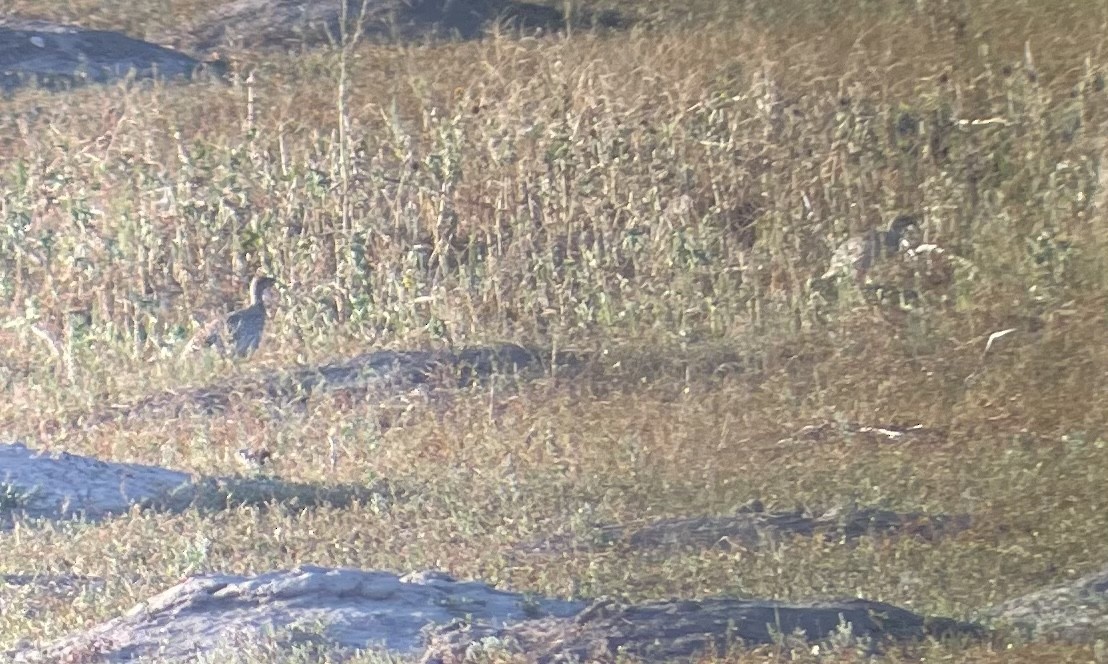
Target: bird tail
x=206 y=337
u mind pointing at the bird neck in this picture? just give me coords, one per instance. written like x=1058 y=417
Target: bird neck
x=256 y=295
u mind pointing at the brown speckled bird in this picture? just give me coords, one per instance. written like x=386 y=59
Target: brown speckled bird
x=254 y=457
x=240 y=332
x=858 y=255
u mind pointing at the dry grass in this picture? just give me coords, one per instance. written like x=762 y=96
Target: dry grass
x=665 y=198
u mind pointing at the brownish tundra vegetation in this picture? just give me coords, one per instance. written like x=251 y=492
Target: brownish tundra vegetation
x=663 y=199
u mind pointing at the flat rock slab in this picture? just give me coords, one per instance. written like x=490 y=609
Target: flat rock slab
x=404 y=370
x=299 y=23
x=1076 y=611
x=343 y=611
x=379 y=377
x=37 y=484
x=751 y=525
x=671 y=630
x=338 y=610
x=43 y=485
x=57 y=56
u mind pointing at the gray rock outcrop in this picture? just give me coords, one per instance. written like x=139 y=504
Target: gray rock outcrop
x=1076 y=611
x=377 y=377
x=56 y=56
x=61 y=486
x=42 y=485
x=751 y=525
x=348 y=610
x=293 y=24
x=676 y=630
x=340 y=612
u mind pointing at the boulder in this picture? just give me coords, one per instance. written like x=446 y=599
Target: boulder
x=56 y=56
x=680 y=629
x=1076 y=611
x=336 y=613
x=38 y=484
x=347 y=610
x=293 y=24
x=751 y=525
x=44 y=485
x=378 y=376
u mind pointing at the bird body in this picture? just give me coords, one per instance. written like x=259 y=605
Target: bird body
x=858 y=255
x=240 y=332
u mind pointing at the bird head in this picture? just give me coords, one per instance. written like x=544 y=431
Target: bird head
x=902 y=231
x=258 y=287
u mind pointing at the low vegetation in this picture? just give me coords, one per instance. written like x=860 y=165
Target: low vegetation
x=663 y=200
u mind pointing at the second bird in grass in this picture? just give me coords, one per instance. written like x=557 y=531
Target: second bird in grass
x=240 y=332
x=858 y=255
